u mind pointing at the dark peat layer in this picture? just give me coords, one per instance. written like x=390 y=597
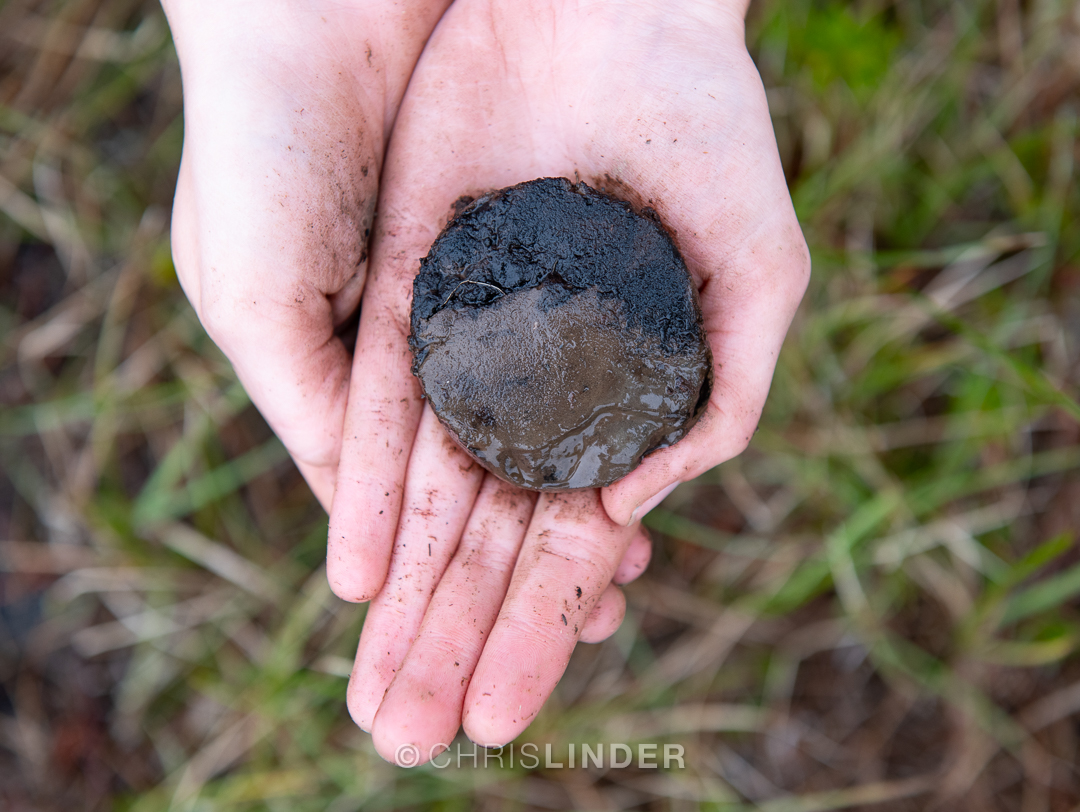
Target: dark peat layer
x=557 y=335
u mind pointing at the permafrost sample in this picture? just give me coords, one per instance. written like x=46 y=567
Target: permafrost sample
x=557 y=335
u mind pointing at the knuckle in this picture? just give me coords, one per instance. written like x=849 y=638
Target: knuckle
x=802 y=266
x=218 y=319
x=484 y=556
x=449 y=644
x=730 y=431
x=745 y=428
x=588 y=558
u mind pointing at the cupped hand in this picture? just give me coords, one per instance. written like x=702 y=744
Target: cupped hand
x=287 y=109
x=655 y=102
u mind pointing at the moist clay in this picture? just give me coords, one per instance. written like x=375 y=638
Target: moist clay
x=557 y=335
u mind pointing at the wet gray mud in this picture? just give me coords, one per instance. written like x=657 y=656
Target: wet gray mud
x=557 y=335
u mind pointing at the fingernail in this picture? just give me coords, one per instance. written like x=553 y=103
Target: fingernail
x=649 y=504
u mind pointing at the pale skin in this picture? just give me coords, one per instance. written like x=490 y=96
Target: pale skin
x=287 y=110
x=480 y=591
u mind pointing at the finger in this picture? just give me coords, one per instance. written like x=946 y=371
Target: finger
x=567 y=560
x=606 y=616
x=384 y=401
x=635 y=559
x=422 y=707
x=383 y=412
x=445 y=145
x=439 y=495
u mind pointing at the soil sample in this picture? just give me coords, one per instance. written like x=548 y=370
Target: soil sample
x=557 y=335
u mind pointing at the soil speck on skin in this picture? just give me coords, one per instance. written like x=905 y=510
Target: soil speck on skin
x=557 y=335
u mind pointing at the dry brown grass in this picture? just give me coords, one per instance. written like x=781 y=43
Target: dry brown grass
x=873 y=608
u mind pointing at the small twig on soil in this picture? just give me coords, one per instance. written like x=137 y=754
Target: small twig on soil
x=471 y=282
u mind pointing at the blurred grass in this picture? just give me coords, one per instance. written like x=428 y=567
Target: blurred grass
x=875 y=607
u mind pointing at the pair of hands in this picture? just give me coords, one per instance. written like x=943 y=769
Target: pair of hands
x=299 y=115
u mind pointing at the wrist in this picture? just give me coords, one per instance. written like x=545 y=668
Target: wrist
x=724 y=17
x=363 y=49
x=285 y=27
x=704 y=9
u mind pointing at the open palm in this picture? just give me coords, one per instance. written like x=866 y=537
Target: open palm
x=486 y=591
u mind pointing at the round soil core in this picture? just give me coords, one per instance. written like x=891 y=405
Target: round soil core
x=556 y=334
